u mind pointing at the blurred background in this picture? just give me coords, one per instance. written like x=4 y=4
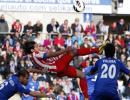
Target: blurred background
x=55 y=25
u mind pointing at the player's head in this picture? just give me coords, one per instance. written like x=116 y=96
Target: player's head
x=94 y=59
x=109 y=50
x=30 y=46
x=23 y=76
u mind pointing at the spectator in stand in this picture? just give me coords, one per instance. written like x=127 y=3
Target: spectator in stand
x=64 y=28
x=77 y=27
x=67 y=86
x=16 y=37
x=17 y=47
x=20 y=64
x=110 y=38
x=28 y=27
x=124 y=51
x=61 y=96
x=123 y=58
x=38 y=38
x=16 y=27
x=124 y=83
x=121 y=26
x=128 y=62
x=6 y=46
x=75 y=44
x=68 y=41
x=59 y=42
x=28 y=36
x=78 y=59
x=127 y=41
x=47 y=43
x=92 y=39
x=52 y=27
x=4 y=69
x=90 y=28
x=72 y=95
x=38 y=27
x=32 y=85
x=12 y=66
x=120 y=40
x=50 y=89
x=9 y=38
x=100 y=27
x=113 y=28
x=3 y=28
x=85 y=42
x=78 y=38
x=28 y=63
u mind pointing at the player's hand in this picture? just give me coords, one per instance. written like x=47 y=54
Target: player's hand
x=101 y=48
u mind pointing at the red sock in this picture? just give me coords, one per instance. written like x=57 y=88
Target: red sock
x=86 y=51
x=84 y=87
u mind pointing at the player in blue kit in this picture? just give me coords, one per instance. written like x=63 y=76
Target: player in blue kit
x=15 y=84
x=91 y=79
x=108 y=70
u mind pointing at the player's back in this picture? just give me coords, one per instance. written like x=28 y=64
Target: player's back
x=8 y=88
x=108 y=72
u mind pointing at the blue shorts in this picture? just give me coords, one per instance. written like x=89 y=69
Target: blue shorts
x=104 y=96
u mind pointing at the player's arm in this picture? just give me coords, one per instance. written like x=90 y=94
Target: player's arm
x=40 y=94
x=21 y=89
x=123 y=68
x=33 y=70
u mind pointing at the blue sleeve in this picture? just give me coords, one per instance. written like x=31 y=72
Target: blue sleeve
x=123 y=68
x=21 y=89
x=95 y=68
x=87 y=70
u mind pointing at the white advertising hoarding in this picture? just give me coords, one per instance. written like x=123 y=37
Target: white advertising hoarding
x=124 y=8
x=92 y=6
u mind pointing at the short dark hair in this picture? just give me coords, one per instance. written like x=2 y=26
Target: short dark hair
x=109 y=50
x=22 y=72
x=95 y=57
x=28 y=46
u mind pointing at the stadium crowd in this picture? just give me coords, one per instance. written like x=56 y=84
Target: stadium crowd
x=59 y=36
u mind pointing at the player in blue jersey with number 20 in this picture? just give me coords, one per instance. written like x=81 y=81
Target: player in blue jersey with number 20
x=108 y=70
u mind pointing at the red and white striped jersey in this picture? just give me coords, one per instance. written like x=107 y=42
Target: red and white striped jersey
x=48 y=63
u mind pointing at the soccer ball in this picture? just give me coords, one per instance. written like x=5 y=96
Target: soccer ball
x=79 y=5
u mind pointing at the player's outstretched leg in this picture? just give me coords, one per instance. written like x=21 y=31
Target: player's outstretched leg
x=86 y=51
x=101 y=48
x=84 y=87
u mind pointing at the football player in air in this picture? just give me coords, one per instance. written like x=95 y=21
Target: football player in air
x=59 y=62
